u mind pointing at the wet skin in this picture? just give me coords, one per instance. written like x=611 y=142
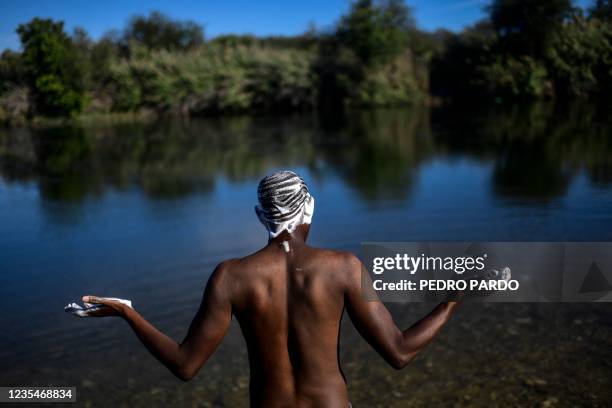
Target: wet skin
x=289 y=306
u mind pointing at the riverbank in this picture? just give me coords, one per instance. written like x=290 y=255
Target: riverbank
x=83 y=120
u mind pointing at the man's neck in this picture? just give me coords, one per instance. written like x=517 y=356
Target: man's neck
x=299 y=236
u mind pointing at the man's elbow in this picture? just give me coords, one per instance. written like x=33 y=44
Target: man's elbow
x=400 y=361
x=185 y=374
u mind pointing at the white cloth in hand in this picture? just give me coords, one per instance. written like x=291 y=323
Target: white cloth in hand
x=86 y=311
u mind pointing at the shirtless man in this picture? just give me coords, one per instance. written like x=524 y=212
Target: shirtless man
x=289 y=299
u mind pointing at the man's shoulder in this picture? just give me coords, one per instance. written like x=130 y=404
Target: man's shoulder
x=222 y=270
x=336 y=258
x=342 y=268
x=231 y=267
x=228 y=267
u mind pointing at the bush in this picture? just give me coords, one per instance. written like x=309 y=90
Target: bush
x=14 y=106
x=514 y=77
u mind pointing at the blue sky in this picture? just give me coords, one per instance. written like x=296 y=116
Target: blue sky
x=262 y=17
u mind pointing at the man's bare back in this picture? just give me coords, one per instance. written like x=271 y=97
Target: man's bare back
x=289 y=306
x=289 y=299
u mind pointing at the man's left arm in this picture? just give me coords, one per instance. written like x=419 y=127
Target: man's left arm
x=205 y=332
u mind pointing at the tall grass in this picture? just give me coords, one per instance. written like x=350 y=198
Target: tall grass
x=215 y=78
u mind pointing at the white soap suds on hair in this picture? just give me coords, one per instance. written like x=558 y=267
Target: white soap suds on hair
x=284 y=202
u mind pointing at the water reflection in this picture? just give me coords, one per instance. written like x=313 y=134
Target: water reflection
x=535 y=150
x=378 y=152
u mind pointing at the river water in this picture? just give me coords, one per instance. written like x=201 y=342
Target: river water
x=145 y=210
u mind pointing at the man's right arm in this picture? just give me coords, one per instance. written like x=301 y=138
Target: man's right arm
x=204 y=335
x=375 y=324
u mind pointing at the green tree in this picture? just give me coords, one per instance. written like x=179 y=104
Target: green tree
x=51 y=68
x=526 y=26
x=581 y=57
x=102 y=53
x=463 y=57
x=376 y=31
x=601 y=10
x=158 y=31
x=81 y=53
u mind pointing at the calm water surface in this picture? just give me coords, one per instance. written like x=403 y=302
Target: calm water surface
x=145 y=211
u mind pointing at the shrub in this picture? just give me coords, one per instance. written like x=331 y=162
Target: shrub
x=14 y=106
x=514 y=77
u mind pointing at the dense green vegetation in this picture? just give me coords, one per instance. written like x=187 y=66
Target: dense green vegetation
x=528 y=50
x=375 y=56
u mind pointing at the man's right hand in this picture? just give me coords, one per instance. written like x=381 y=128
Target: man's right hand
x=109 y=307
